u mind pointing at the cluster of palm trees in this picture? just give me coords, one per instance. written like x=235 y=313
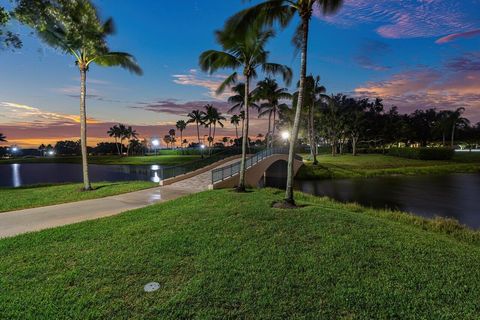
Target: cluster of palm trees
x=243 y=42
x=121 y=133
x=3 y=138
x=210 y=118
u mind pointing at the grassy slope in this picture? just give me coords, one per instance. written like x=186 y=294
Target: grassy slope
x=166 y=160
x=369 y=165
x=43 y=195
x=222 y=255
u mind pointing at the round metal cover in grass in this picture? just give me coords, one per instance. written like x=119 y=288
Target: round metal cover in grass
x=152 y=286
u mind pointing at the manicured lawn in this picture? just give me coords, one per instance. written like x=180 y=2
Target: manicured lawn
x=166 y=160
x=44 y=195
x=223 y=255
x=370 y=165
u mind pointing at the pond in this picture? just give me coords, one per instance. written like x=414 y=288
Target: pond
x=17 y=175
x=455 y=196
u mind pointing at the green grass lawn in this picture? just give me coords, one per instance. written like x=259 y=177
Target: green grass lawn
x=166 y=160
x=370 y=165
x=44 y=195
x=223 y=255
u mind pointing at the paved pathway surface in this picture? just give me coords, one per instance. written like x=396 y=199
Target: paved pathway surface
x=21 y=221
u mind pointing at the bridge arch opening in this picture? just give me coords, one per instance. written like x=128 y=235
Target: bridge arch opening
x=275 y=176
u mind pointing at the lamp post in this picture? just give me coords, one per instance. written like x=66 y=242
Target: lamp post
x=155 y=144
x=285 y=136
x=202 y=147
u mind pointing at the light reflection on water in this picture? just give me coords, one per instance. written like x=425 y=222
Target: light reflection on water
x=17 y=175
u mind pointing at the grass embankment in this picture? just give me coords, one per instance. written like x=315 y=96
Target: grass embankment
x=44 y=195
x=224 y=255
x=166 y=160
x=371 y=165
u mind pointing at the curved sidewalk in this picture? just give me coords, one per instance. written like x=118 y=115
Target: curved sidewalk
x=21 y=221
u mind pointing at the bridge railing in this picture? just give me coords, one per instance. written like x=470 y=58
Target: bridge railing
x=226 y=172
x=175 y=171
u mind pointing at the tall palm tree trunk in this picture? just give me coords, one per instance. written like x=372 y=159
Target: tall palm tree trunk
x=241 y=182
x=311 y=135
x=269 y=128
x=236 y=131
x=116 y=144
x=198 y=132
x=296 y=125
x=273 y=129
x=83 y=128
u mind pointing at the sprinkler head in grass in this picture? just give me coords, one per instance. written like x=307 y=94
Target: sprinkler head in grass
x=151 y=287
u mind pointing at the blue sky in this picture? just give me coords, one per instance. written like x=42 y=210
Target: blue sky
x=412 y=53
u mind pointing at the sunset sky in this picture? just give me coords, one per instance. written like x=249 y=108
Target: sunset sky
x=412 y=53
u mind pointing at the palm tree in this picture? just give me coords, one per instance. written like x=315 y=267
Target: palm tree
x=75 y=28
x=271 y=93
x=130 y=134
x=282 y=12
x=116 y=134
x=235 y=121
x=197 y=117
x=225 y=140
x=122 y=131
x=172 y=134
x=247 y=52
x=314 y=95
x=3 y=138
x=181 y=125
x=456 y=121
x=238 y=99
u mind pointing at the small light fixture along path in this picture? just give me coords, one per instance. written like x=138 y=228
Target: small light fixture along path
x=151 y=287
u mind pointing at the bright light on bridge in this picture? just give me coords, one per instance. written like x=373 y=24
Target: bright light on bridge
x=285 y=135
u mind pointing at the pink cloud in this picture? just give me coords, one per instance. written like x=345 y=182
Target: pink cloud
x=456 y=36
x=427 y=88
x=410 y=18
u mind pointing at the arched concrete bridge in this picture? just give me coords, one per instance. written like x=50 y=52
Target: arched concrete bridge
x=270 y=163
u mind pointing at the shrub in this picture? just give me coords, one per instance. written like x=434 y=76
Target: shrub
x=422 y=153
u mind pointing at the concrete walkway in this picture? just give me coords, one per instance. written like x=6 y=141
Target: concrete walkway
x=35 y=219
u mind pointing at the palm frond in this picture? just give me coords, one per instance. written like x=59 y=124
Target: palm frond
x=275 y=69
x=227 y=83
x=122 y=59
x=212 y=60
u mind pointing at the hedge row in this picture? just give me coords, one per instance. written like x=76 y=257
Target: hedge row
x=422 y=153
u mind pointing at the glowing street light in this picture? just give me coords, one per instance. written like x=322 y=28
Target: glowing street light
x=202 y=146
x=285 y=135
x=155 y=142
x=14 y=149
x=51 y=152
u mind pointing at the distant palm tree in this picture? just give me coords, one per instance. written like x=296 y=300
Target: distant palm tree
x=3 y=138
x=122 y=131
x=197 y=117
x=281 y=12
x=238 y=99
x=130 y=134
x=269 y=91
x=235 y=120
x=116 y=134
x=167 y=139
x=42 y=149
x=181 y=125
x=246 y=51
x=456 y=120
x=225 y=140
x=172 y=134
x=75 y=28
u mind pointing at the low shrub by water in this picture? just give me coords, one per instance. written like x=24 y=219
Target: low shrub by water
x=422 y=153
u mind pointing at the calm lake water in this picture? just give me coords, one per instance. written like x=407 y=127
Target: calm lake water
x=456 y=195
x=17 y=175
